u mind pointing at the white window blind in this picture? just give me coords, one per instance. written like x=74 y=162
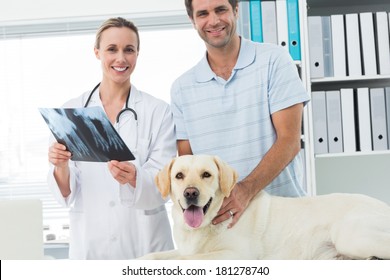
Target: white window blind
x=45 y=69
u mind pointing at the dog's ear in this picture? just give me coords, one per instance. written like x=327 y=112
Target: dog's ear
x=163 y=179
x=227 y=176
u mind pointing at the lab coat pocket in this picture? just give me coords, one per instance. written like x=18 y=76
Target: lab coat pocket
x=76 y=221
x=76 y=235
x=156 y=230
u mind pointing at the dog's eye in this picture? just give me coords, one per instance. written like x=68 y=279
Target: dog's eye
x=179 y=176
x=206 y=175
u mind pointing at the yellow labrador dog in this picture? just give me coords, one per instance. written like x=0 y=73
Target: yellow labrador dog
x=336 y=226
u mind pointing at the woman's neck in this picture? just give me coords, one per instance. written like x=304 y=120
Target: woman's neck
x=113 y=97
x=114 y=93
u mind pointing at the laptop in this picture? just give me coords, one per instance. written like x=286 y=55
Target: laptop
x=21 y=229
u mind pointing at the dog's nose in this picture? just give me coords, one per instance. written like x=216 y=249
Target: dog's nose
x=191 y=193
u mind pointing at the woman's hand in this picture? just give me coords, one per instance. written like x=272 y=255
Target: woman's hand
x=59 y=157
x=124 y=172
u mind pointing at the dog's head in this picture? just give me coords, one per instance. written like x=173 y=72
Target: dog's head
x=197 y=185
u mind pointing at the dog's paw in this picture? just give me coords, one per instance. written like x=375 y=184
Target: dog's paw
x=147 y=257
x=164 y=255
x=374 y=258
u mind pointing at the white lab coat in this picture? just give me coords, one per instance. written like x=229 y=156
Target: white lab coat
x=113 y=221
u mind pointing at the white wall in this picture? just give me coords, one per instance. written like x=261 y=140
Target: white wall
x=27 y=10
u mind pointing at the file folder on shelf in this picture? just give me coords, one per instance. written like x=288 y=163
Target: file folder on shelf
x=353 y=45
x=382 y=43
x=268 y=20
x=338 y=46
x=387 y=99
x=364 y=122
x=244 y=20
x=327 y=46
x=316 y=50
x=281 y=21
x=294 y=38
x=333 y=115
x=378 y=119
x=348 y=120
x=320 y=127
x=256 y=21
x=368 y=44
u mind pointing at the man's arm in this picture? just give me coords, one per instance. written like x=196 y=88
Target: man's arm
x=287 y=123
x=184 y=147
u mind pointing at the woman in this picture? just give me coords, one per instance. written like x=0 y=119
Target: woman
x=116 y=209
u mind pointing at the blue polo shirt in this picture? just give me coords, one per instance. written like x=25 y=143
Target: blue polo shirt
x=232 y=119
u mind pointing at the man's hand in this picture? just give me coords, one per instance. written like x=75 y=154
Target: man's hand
x=234 y=205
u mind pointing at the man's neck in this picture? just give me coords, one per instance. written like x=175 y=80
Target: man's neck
x=223 y=60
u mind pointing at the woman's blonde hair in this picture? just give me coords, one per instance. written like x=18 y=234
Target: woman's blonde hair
x=115 y=22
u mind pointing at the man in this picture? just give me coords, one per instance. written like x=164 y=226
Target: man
x=243 y=102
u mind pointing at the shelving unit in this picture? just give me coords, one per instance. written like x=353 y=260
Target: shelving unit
x=358 y=172
x=330 y=83
x=353 y=172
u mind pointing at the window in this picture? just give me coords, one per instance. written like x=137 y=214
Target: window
x=46 y=71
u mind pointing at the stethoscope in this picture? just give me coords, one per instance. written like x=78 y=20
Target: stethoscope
x=127 y=108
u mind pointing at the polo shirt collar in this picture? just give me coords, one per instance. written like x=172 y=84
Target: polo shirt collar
x=246 y=56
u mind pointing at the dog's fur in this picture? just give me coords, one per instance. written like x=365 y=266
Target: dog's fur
x=336 y=226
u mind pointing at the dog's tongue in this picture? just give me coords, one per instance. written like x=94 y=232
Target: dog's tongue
x=193 y=216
